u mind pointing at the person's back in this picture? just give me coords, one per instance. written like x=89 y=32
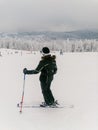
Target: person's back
x=49 y=64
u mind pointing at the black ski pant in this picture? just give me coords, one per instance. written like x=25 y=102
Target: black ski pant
x=45 y=81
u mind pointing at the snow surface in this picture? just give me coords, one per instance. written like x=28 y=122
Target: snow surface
x=75 y=83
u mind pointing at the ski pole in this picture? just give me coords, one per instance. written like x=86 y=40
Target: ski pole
x=22 y=99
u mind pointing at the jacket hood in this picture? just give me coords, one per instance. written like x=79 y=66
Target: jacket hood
x=48 y=57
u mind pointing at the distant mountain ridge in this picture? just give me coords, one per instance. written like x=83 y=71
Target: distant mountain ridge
x=48 y=35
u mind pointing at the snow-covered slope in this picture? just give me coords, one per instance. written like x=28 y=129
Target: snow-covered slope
x=75 y=83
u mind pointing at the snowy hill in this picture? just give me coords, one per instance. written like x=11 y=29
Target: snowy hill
x=75 y=83
x=48 y=35
x=75 y=41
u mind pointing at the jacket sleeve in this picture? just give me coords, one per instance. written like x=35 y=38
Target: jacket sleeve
x=38 y=68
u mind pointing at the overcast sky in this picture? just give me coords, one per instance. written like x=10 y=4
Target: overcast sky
x=54 y=15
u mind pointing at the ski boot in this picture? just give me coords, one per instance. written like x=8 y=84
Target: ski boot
x=55 y=104
x=43 y=104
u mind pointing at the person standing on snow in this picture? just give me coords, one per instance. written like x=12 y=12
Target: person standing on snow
x=47 y=66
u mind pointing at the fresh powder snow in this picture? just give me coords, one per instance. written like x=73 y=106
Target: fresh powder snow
x=76 y=83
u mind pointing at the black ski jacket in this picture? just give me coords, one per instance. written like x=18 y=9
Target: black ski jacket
x=47 y=66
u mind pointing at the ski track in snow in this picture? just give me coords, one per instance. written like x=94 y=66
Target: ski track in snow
x=75 y=83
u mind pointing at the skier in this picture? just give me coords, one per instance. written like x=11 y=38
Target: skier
x=47 y=66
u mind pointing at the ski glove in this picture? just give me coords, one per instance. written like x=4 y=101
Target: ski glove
x=25 y=70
